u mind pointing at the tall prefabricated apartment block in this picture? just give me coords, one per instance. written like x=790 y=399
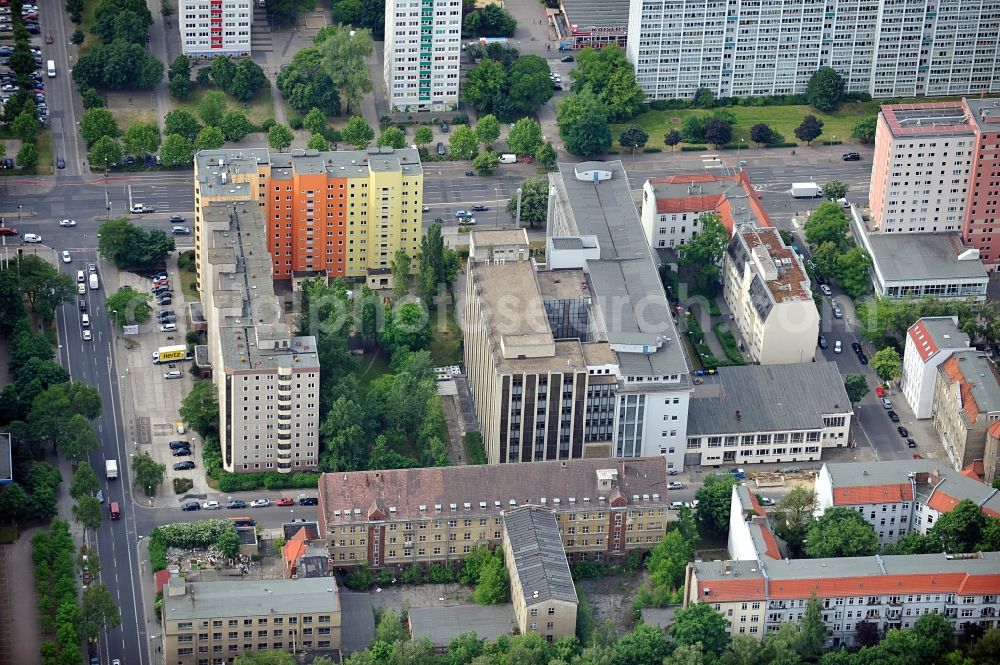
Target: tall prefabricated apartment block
x=937 y=168
x=267 y=379
x=422 y=50
x=887 y=48
x=399 y=517
x=342 y=213
x=212 y=28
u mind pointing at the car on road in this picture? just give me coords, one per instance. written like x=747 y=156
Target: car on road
x=836 y=347
x=826 y=290
x=87 y=336
x=32 y=237
x=236 y=504
x=308 y=501
x=181 y=452
x=862 y=358
x=260 y=503
x=67 y=222
x=837 y=313
x=177 y=218
x=180 y=231
x=190 y=505
x=910 y=443
x=766 y=501
x=66 y=258
x=851 y=156
x=186 y=465
x=60 y=163
x=822 y=342
x=285 y=501
x=467 y=221
x=886 y=403
x=174 y=445
x=462 y=213
x=8 y=231
x=567 y=58
x=675 y=485
x=903 y=432
x=210 y=505
x=139 y=208
x=480 y=208
x=425 y=208
x=91 y=267
x=470 y=173
x=83 y=305
x=893 y=416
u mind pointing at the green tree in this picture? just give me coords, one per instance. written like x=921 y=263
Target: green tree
x=41 y=286
x=583 y=124
x=633 y=137
x=700 y=622
x=672 y=138
x=344 y=437
x=280 y=138
x=546 y=155
x=840 y=532
x=463 y=142
x=249 y=80
x=318 y=142
x=668 y=561
x=78 y=439
x=176 y=151
x=622 y=95
x=488 y=130
x=223 y=73
x=529 y=86
x=99 y=611
x=209 y=138
x=84 y=482
x=212 y=107
x=852 y=271
x=181 y=66
x=306 y=85
x=423 y=136
x=141 y=139
x=314 y=121
x=812 y=632
x=400 y=267
x=200 y=409
x=703 y=253
x=693 y=129
x=825 y=89
x=856 y=386
x=718 y=132
x=181 y=122
x=810 y=129
x=960 y=529
x=827 y=224
x=486 y=163
x=15 y=503
x=524 y=137
x=887 y=364
x=228 y=543
x=825 y=257
x=406 y=327
x=180 y=88
x=864 y=129
x=235 y=126
x=127 y=306
x=389 y=629
x=934 y=637
x=714 y=499
x=357 y=132
x=834 y=190
x=148 y=472
x=493 y=587
x=392 y=137
x=97 y=123
x=794 y=515
x=761 y=133
x=344 y=53
x=106 y=150
x=534 y=202
x=25 y=126
x=645 y=644
x=87 y=511
x=485 y=86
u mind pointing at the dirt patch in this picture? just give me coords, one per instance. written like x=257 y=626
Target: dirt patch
x=611 y=599
x=401 y=598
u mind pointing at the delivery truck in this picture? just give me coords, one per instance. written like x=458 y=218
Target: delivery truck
x=805 y=190
x=111 y=468
x=170 y=354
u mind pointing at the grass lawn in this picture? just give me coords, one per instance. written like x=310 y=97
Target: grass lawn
x=46 y=161
x=87 y=26
x=783 y=119
x=8 y=535
x=128 y=117
x=373 y=365
x=259 y=109
x=446 y=344
x=189 y=288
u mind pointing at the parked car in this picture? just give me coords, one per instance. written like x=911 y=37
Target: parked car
x=236 y=504
x=444 y=127
x=91 y=267
x=260 y=503
x=826 y=290
x=172 y=374
x=174 y=445
x=308 y=501
x=567 y=58
x=836 y=346
x=862 y=358
x=190 y=505
x=879 y=391
x=210 y=505
x=886 y=403
x=893 y=416
x=676 y=505
x=910 y=443
x=441 y=150
x=285 y=501
x=903 y=432
x=675 y=485
x=181 y=452
x=837 y=312
x=766 y=501
x=823 y=344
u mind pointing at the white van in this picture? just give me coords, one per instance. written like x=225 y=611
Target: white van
x=94 y=285
x=51 y=66
x=508 y=158
x=80 y=279
x=85 y=320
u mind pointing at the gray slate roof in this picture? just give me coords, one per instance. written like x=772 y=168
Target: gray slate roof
x=919 y=257
x=539 y=558
x=441 y=625
x=768 y=398
x=357 y=622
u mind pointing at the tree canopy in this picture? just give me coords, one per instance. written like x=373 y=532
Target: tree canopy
x=703 y=253
x=840 y=532
x=825 y=89
x=714 y=499
x=128 y=245
x=583 y=124
x=534 y=202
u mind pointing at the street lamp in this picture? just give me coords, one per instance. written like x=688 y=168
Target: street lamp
x=833 y=143
x=496 y=212
x=738 y=153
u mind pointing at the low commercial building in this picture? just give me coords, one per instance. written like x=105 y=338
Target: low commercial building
x=900 y=497
x=592 y=23
x=966 y=404
x=768 y=413
x=541 y=585
x=604 y=508
x=206 y=622
x=441 y=625
x=267 y=378
x=929 y=342
x=672 y=206
x=770 y=295
x=909 y=266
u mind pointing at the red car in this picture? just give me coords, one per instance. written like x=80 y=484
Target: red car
x=285 y=501
x=880 y=391
x=8 y=231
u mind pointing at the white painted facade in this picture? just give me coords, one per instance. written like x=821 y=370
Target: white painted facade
x=422 y=51
x=918 y=378
x=211 y=28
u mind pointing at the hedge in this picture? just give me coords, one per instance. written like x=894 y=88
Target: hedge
x=729 y=345
x=211 y=458
x=784 y=144
x=693 y=148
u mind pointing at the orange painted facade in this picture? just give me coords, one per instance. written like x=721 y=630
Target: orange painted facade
x=307 y=224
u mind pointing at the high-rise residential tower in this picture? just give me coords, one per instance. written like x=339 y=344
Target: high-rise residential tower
x=211 y=28
x=422 y=50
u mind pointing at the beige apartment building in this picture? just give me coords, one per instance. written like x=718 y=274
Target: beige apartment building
x=212 y=623
x=267 y=378
x=770 y=295
x=966 y=404
x=604 y=509
x=541 y=585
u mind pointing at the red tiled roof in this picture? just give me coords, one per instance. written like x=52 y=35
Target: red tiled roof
x=980 y=585
x=295 y=547
x=848 y=496
x=994 y=430
x=954 y=372
x=976 y=469
x=884 y=584
x=721 y=591
x=160 y=578
x=772 y=543
x=704 y=202
x=942 y=502
x=757 y=508
x=922 y=339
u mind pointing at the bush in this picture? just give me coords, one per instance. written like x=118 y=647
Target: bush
x=474 y=451
x=267 y=125
x=182 y=485
x=648 y=150
x=693 y=148
x=729 y=345
x=669 y=104
x=783 y=144
x=272 y=480
x=460 y=119
x=295 y=122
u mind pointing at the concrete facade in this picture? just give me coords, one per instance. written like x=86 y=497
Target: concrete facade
x=422 y=49
x=211 y=28
x=929 y=342
x=966 y=404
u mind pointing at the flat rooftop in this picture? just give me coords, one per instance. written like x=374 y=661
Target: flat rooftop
x=985 y=113
x=249 y=598
x=334 y=163
x=585 y=14
x=927 y=119
x=924 y=257
x=441 y=625
x=791 y=283
x=980 y=375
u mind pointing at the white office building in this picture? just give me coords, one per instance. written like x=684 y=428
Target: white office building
x=211 y=28
x=422 y=49
x=736 y=48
